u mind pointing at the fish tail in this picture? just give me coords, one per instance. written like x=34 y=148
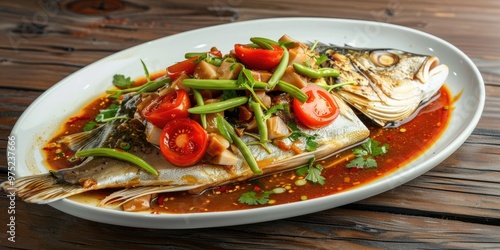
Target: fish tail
x=120 y=197
x=40 y=189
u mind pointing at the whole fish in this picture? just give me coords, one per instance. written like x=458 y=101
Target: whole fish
x=391 y=84
x=102 y=172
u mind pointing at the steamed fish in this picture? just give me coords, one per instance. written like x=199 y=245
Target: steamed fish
x=387 y=86
x=104 y=172
x=391 y=84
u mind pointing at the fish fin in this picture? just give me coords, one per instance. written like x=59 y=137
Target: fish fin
x=40 y=189
x=118 y=198
x=89 y=139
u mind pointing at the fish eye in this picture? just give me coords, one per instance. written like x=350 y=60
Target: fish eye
x=383 y=58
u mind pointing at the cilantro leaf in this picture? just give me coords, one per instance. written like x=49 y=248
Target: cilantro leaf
x=313 y=172
x=252 y=198
x=120 y=81
x=311 y=144
x=364 y=155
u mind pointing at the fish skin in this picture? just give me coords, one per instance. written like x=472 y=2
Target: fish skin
x=103 y=172
x=387 y=94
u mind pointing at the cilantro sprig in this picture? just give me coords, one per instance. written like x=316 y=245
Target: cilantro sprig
x=253 y=198
x=312 y=172
x=365 y=155
x=311 y=144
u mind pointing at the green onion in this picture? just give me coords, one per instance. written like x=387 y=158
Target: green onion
x=124 y=145
x=120 y=155
x=252 y=163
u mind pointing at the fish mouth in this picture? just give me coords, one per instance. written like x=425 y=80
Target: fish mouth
x=432 y=76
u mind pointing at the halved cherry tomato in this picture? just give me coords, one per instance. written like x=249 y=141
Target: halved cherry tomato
x=187 y=67
x=258 y=58
x=319 y=110
x=168 y=107
x=183 y=142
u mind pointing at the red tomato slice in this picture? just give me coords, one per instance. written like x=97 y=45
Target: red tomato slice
x=257 y=58
x=187 y=67
x=168 y=107
x=183 y=142
x=319 y=110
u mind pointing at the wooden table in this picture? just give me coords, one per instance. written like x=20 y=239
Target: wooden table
x=455 y=205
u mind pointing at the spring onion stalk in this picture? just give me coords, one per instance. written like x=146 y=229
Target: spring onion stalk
x=148 y=87
x=293 y=91
x=245 y=151
x=280 y=69
x=200 y=102
x=259 y=118
x=219 y=84
x=219 y=106
x=315 y=73
x=120 y=155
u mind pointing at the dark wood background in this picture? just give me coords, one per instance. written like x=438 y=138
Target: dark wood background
x=455 y=205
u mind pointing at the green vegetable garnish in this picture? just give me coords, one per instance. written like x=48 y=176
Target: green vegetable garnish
x=311 y=144
x=364 y=155
x=122 y=82
x=252 y=198
x=312 y=172
x=109 y=114
x=120 y=155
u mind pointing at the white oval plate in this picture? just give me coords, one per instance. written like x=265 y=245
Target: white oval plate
x=40 y=121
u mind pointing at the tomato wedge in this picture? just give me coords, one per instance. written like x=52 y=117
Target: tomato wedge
x=319 y=110
x=183 y=142
x=187 y=67
x=168 y=107
x=258 y=58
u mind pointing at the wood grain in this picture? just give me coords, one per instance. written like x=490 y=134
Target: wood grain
x=454 y=206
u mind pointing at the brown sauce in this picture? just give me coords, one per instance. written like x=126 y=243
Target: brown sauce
x=405 y=144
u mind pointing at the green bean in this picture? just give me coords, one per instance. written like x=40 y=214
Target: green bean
x=259 y=118
x=199 y=101
x=219 y=106
x=315 y=73
x=280 y=69
x=222 y=129
x=120 y=155
x=338 y=85
x=219 y=84
x=245 y=151
x=264 y=42
x=293 y=91
x=193 y=54
x=148 y=87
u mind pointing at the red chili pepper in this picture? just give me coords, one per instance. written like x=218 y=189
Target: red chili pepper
x=78 y=118
x=256 y=188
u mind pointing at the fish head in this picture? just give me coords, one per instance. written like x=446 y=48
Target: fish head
x=390 y=84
